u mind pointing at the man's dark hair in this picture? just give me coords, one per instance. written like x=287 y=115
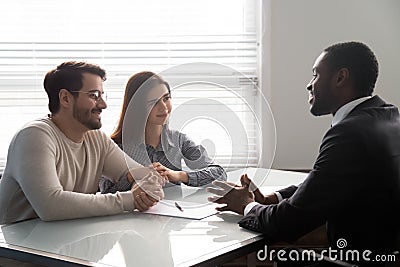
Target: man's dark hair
x=68 y=75
x=359 y=59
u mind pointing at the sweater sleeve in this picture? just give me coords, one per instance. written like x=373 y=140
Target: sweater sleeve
x=34 y=154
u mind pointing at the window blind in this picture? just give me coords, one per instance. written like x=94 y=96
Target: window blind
x=205 y=49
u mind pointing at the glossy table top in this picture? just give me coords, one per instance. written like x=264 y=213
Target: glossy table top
x=135 y=239
x=130 y=239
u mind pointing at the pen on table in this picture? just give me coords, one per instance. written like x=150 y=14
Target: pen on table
x=179 y=207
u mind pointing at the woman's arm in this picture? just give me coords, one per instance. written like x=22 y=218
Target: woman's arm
x=203 y=169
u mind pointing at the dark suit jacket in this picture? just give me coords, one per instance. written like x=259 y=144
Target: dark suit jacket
x=354 y=186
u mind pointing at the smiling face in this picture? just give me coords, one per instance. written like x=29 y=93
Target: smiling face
x=159 y=101
x=87 y=110
x=322 y=95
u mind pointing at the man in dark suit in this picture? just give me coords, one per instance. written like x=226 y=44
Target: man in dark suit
x=354 y=186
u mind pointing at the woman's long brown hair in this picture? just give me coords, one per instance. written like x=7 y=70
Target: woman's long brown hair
x=134 y=83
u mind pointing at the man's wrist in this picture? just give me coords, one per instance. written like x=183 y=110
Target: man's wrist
x=134 y=187
x=130 y=178
x=277 y=197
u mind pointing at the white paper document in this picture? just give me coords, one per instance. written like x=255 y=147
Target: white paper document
x=189 y=210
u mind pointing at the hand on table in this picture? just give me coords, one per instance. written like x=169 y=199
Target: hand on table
x=147 y=190
x=137 y=174
x=235 y=197
x=258 y=196
x=171 y=175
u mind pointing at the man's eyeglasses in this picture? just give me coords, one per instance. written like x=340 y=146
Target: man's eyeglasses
x=94 y=94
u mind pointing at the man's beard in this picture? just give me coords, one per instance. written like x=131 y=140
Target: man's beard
x=85 y=117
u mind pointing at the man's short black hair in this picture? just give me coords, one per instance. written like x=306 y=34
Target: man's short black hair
x=68 y=75
x=359 y=59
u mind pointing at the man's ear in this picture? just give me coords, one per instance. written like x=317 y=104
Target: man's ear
x=65 y=98
x=342 y=77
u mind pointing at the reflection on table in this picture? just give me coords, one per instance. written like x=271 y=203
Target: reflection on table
x=135 y=239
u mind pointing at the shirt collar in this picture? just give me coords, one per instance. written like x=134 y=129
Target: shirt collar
x=344 y=110
x=166 y=140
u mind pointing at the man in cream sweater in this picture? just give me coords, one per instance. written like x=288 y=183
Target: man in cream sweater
x=54 y=164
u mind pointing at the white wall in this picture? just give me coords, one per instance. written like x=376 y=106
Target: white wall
x=298 y=31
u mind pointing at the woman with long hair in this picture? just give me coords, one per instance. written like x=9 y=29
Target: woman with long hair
x=143 y=133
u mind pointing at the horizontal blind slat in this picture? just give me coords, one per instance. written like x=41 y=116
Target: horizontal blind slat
x=123 y=50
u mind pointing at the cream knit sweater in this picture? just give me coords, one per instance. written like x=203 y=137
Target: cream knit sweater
x=49 y=176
